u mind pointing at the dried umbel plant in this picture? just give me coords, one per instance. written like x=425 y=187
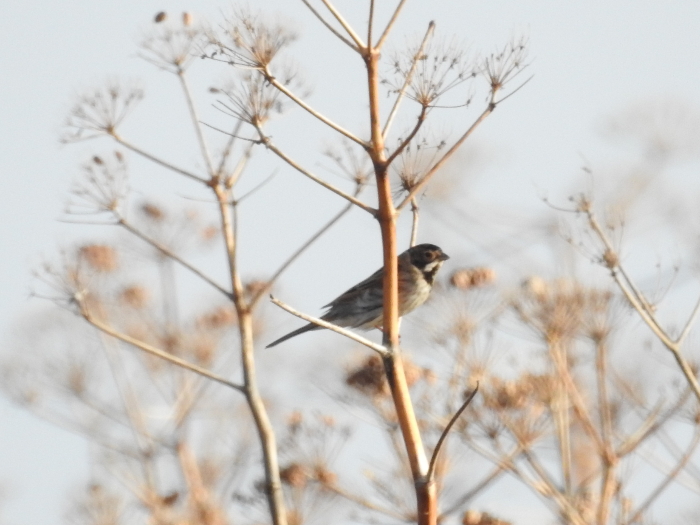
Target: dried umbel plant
x=351 y=161
x=173 y=46
x=416 y=160
x=252 y=100
x=102 y=187
x=250 y=41
x=440 y=67
x=101 y=111
x=501 y=67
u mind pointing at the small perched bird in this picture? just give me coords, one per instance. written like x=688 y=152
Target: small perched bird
x=362 y=306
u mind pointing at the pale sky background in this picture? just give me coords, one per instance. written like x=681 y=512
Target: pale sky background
x=589 y=60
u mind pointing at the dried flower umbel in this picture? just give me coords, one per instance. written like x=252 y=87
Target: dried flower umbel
x=441 y=67
x=102 y=188
x=101 y=111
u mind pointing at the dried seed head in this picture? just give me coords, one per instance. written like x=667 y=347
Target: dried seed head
x=294 y=420
x=610 y=259
x=295 y=475
x=152 y=212
x=324 y=476
x=467 y=278
x=368 y=378
x=204 y=350
x=134 y=296
x=99 y=257
x=218 y=318
x=160 y=17
x=187 y=19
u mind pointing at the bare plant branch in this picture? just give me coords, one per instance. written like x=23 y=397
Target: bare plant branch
x=634 y=298
x=158 y=161
x=269 y=145
x=404 y=143
x=680 y=465
x=426 y=178
x=390 y=25
x=195 y=121
x=351 y=32
x=380 y=349
x=281 y=87
x=87 y=315
x=443 y=436
x=414 y=223
x=409 y=77
x=121 y=221
x=330 y=27
x=298 y=252
x=689 y=324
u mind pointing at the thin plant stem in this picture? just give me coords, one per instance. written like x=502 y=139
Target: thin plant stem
x=274 y=149
x=266 y=433
x=156 y=160
x=298 y=252
x=281 y=87
x=153 y=350
x=411 y=135
x=351 y=32
x=414 y=223
x=330 y=27
x=408 y=79
x=443 y=436
x=121 y=221
x=381 y=350
x=390 y=25
x=195 y=122
x=635 y=299
x=680 y=465
x=431 y=172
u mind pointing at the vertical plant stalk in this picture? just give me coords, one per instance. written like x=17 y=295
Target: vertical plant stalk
x=266 y=434
x=608 y=455
x=426 y=495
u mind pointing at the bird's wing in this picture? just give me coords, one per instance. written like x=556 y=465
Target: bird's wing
x=373 y=281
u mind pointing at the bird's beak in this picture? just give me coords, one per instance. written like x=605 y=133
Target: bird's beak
x=443 y=257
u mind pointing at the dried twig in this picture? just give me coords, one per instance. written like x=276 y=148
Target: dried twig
x=443 y=436
x=380 y=349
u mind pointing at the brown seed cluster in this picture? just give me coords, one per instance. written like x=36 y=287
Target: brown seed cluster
x=369 y=378
x=99 y=257
x=134 y=296
x=467 y=278
x=475 y=517
x=218 y=318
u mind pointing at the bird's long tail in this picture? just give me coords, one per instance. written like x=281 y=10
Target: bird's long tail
x=305 y=328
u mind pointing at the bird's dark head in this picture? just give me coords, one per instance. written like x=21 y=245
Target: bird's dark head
x=427 y=257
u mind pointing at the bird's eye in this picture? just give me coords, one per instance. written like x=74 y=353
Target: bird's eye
x=430 y=255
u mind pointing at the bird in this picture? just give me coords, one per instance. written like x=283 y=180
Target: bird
x=362 y=306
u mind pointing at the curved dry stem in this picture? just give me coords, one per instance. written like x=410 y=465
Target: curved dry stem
x=407 y=140
x=443 y=436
